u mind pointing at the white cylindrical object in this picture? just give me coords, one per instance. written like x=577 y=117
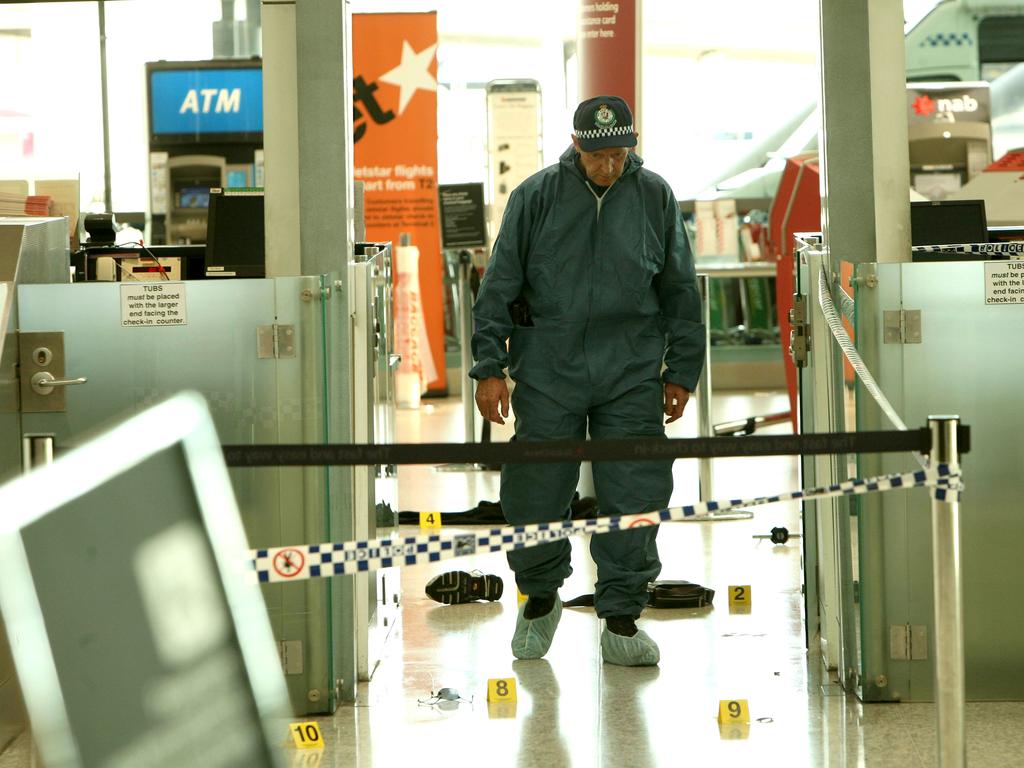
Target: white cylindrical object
x=408 y=330
x=36 y=451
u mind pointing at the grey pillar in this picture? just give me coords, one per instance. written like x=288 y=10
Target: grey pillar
x=865 y=159
x=307 y=70
x=281 y=139
x=865 y=167
x=324 y=37
x=307 y=139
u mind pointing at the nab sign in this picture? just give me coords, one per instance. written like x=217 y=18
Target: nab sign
x=948 y=102
x=206 y=102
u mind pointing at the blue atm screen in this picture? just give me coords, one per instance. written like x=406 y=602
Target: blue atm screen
x=206 y=101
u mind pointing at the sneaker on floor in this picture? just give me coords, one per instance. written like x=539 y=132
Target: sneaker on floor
x=625 y=649
x=456 y=587
x=533 y=637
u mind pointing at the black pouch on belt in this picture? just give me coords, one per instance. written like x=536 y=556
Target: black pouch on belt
x=519 y=310
x=678 y=594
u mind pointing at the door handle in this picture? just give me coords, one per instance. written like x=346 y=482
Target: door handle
x=43 y=382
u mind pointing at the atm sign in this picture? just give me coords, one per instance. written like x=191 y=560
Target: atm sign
x=200 y=101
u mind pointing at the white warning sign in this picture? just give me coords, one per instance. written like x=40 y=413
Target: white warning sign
x=149 y=304
x=1004 y=282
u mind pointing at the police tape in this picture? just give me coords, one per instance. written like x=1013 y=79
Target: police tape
x=995 y=249
x=310 y=561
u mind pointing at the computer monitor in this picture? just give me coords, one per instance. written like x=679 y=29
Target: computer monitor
x=139 y=634
x=948 y=222
x=235 y=243
x=193 y=197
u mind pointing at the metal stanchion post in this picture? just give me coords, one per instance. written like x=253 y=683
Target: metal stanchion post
x=36 y=450
x=465 y=312
x=946 y=586
x=466 y=335
x=704 y=427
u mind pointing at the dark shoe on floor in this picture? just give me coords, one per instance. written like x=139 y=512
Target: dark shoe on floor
x=456 y=587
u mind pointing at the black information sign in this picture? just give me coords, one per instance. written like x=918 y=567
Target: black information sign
x=462 y=215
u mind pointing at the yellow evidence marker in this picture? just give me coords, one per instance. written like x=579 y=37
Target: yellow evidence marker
x=306 y=735
x=740 y=597
x=501 y=689
x=430 y=519
x=733 y=711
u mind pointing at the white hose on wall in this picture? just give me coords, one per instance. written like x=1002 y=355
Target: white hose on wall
x=828 y=309
x=845 y=303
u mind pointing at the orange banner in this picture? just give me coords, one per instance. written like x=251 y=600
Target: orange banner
x=394 y=95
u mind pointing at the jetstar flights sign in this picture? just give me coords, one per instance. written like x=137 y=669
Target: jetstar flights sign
x=948 y=103
x=394 y=95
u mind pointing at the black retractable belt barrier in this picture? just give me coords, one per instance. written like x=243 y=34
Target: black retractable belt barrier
x=582 y=450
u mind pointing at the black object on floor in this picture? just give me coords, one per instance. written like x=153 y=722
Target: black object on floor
x=662 y=594
x=456 y=587
x=489 y=513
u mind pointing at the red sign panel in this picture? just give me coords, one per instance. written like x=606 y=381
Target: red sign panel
x=608 y=47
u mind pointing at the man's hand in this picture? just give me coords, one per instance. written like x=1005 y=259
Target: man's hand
x=490 y=394
x=675 y=401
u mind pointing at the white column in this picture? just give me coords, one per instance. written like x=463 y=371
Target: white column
x=307 y=136
x=280 y=139
x=865 y=157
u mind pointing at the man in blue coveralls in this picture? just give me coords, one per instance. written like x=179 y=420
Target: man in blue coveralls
x=591 y=283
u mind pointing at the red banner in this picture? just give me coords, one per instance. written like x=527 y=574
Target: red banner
x=608 y=45
x=394 y=94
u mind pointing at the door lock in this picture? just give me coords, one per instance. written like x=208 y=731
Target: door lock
x=42 y=356
x=41 y=372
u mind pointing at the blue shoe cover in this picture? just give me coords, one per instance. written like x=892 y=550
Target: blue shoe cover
x=533 y=637
x=636 y=651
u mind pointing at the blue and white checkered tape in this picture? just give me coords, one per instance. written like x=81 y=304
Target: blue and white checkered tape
x=310 y=561
x=996 y=249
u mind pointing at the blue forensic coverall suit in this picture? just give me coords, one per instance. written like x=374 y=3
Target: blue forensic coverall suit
x=612 y=293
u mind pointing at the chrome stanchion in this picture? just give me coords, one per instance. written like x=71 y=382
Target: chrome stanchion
x=36 y=450
x=946 y=586
x=704 y=426
x=464 y=300
x=466 y=335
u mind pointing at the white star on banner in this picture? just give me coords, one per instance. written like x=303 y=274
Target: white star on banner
x=412 y=74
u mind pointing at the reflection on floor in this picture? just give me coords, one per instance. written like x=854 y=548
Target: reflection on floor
x=573 y=710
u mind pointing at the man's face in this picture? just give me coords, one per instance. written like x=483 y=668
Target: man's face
x=604 y=166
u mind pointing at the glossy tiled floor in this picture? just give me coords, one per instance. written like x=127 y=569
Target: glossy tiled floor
x=573 y=710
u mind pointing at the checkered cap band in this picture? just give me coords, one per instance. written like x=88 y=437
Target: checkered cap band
x=601 y=133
